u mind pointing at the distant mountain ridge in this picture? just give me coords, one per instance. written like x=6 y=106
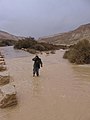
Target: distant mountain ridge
x=7 y=36
x=72 y=37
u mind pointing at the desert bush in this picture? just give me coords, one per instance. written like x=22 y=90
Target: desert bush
x=50 y=46
x=25 y=43
x=39 y=47
x=65 y=56
x=32 y=51
x=79 y=53
x=2 y=68
x=33 y=44
x=7 y=42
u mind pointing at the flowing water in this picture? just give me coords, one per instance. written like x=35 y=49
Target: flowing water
x=62 y=92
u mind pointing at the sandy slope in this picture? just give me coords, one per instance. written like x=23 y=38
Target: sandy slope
x=52 y=96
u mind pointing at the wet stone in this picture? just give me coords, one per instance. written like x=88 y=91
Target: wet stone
x=4 y=78
x=8 y=96
x=3 y=68
x=2 y=62
x=1 y=59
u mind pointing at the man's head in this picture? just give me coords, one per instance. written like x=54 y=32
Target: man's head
x=37 y=56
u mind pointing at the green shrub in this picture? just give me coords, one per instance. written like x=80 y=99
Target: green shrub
x=32 y=51
x=33 y=44
x=7 y=42
x=39 y=47
x=79 y=53
x=25 y=43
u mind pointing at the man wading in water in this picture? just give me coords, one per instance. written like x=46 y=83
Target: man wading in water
x=36 y=66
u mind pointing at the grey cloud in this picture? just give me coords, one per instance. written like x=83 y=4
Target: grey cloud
x=39 y=18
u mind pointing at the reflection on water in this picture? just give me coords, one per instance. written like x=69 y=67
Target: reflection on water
x=10 y=52
x=36 y=87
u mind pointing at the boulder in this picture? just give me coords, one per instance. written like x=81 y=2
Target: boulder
x=47 y=52
x=4 y=78
x=1 y=59
x=1 y=56
x=8 y=96
x=2 y=62
x=53 y=52
x=3 y=67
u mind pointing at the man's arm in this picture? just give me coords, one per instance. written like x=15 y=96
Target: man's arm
x=34 y=59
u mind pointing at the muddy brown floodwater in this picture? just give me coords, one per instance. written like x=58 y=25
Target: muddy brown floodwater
x=62 y=92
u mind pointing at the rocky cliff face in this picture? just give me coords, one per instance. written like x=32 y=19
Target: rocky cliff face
x=72 y=37
x=8 y=36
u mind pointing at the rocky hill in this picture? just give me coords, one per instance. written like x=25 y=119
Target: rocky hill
x=8 y=36
x=82 y=32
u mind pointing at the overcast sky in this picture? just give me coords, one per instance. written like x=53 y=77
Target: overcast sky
x=39 y=18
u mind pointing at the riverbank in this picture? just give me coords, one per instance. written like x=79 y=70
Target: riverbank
x=60 y=93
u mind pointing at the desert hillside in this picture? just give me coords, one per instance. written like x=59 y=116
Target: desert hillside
x=82 y=32
x=8 y=36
